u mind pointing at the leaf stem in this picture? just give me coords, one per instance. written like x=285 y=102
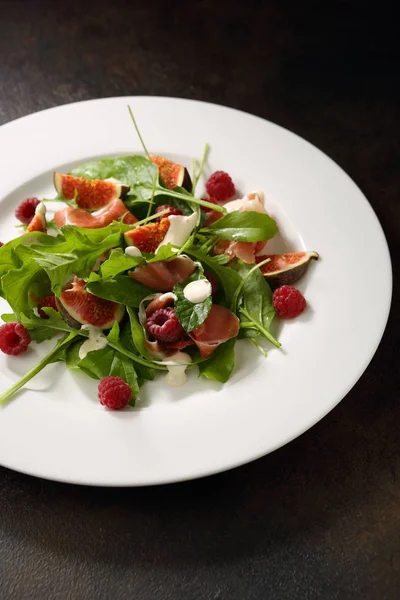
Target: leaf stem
x=151 y=218
x=260 y=328
x=135 y=358
x=245 y=278
x=138 y=133
x=152 y=194
x=259 y=347
x=173 y=194
x=198 y=174
x=8 y=394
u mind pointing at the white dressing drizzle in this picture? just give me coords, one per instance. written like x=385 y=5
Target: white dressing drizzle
x=95 y=341
x=197 y=291
x=132 y=251
x=177 y=365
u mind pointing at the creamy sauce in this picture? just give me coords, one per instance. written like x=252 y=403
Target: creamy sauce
x=253 y=201
x=176 y=365
x=133 y=252
x=168 y=296
x=95 y=341
x=40 y=210
x=180 y=229
x=197 y=291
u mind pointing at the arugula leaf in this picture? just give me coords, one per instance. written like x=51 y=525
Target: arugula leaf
x=118 y=262
x=126 y=341
x=99 y=235
x=221 y=362
x=17 y=283
x=115 y=341
x=137 y=335
x=246 y=226
x=58 y=353
x=10 y=260
x=227 y=277
x=121 y=289
x=191 y=315
x=76 y=255
x=45 y=329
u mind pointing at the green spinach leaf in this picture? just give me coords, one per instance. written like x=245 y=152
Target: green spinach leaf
x=191 y=315
x=221 y=363
x=246 y=226
x=121 y=289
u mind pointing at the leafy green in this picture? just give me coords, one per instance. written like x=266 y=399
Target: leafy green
x=227 y=277
x=142 y=177
x=10 y=260
x=109 y=362
x=191 y=315
x=118 y=262
x=246 y=226
x=255 y=302
x=121 y=289
x=17 y=283
x=221 y=363
x=165 y=252
x=76 y=255
x=136 y=171
x=58 y=353
x=126 y=340
x=119 y=343
x=45 y=329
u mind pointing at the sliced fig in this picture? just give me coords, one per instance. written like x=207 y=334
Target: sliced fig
x=79 y=307
x=285 y=269
x=89 y=194
x=38 y=222
x=147 y=237
x=171 y=173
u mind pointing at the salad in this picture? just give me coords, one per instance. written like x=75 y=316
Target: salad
x=136 y=276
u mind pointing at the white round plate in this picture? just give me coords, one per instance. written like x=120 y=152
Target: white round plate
x=56 y=429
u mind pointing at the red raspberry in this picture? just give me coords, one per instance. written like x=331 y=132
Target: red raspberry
x=46 y=302
x=214 y=283
x=114 y=393
x=14 y=338
x=220 y=186
x=172 y=210
x=164 y=326
x=1 y=244
x=288 y=302
x=26 y=210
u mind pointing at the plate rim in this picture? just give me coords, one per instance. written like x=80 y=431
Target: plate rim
x=18 y=121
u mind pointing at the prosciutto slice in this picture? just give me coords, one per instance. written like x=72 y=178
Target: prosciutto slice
x=220 y=326
x=162 y=275
x=246 y=251
x=100 y=218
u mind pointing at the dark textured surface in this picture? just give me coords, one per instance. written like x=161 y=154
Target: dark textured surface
x=319 y=518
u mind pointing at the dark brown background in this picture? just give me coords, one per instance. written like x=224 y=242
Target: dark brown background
x=319 y=518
